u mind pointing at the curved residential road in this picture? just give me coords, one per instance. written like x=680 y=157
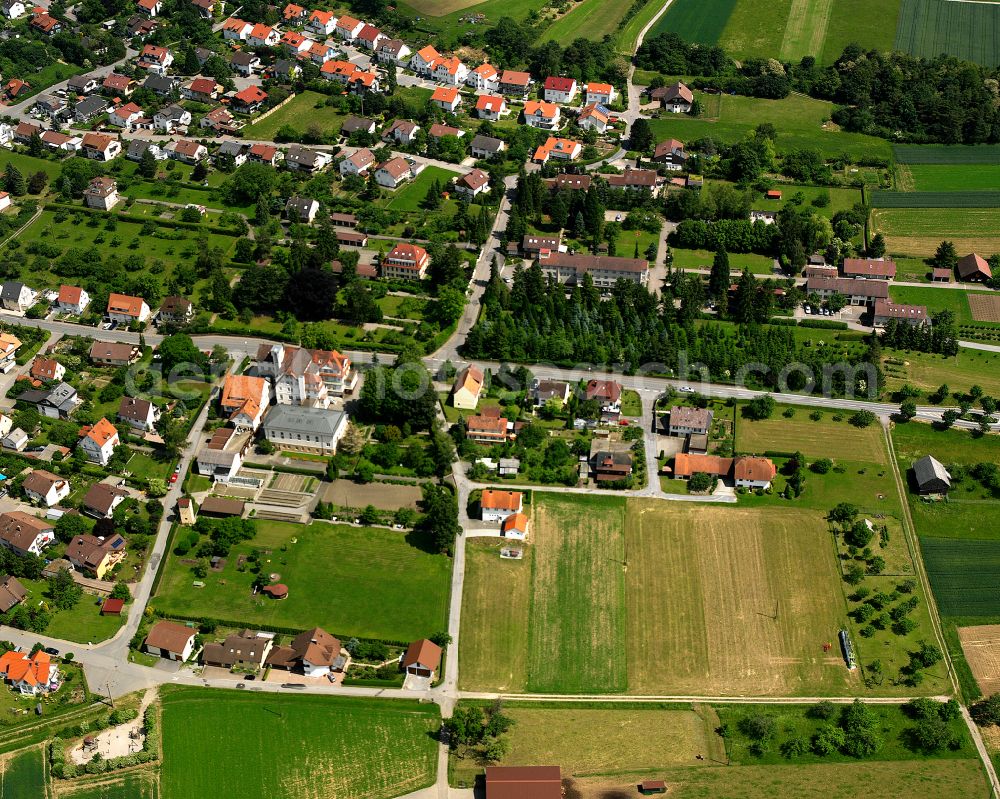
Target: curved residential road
x=634 y=95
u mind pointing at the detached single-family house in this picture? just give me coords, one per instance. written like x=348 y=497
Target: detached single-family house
x=322 y=23
x=484 y=78
x=151 y=8
x=249 y=100
x=154 y=58
x=357 y=164
x=245 y=63
x=187 y=151
x=234 y=29
x=125 y=116
x=102 y=499
x=12 y=593
x=515 y=526
x=264 y=154
x=99 y=147
x=753 y=472
x=447 y=98
x=245 y=400
x=263 y=36
x=561 y=149
x=45 y=488
x=126 y=309
x=94 y=556
x=593 y=117
x=25 y=534
x=403 y=131
x=8 y=351
x=302 y=159
x=117 y=85
x=514 y=83
x=171 y=118
x=16 y=296
x=468 y=388
x=486 y=146
x=543 y=391
x=489 y=106
x=560 y=90
x=392 y=173
x=450 y=71
x=202 y=90
x=301 y=209
x=424 y=59
x=171 y=641
x=348 y=28
x=47 y=369
x=676 y=98
x=110 y=353
x=930 y=476
x=472 y=184
x=99 y=442
x=670 y=153
x=685 y=421
x=176 y=310
x=140 y=414
x=394 y=52
x=915 y=315
x=220 y=121
x=13 y=9
x=30 y=675
x=101 y=193
x=496 y=505
x=422 y=658
x=600 y=93
x=72 y=299
x=89 y=107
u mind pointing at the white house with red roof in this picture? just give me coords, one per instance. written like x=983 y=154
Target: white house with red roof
x=156 y=59
x=322 y=23
x=392 y=173
x=263 y=36
x=348 y=28
x=249 y=100
x=446 y=98
x=450 y=71
x=593 y=118
x=473 y=184
x=560 y=90
x=125 y=309
x=98 y=442
x=72 y=299
x=484 y=78
x=370 y=37
x=29 y=675
x=603 y=93
x=125 y=116
x=294 y=42
x=543 y=115
x=234 y=29
x=357 y=164
x=424 y=60
x=150 y=8
x=490 y=106
x=405 y=261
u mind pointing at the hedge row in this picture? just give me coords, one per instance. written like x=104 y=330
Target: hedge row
x=823 y=324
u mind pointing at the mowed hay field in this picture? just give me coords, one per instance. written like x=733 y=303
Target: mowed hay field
x=728 y=601
x=821 y=439
x=981 y=645
x=919 y=231
x=948 y=177
x=697 y=21
x=495 y=607
x=604 y=740
x=590 y=19
x=970 y=31
x=901 y=779
x=576 y=640
x=257 y=746
x=805 y=30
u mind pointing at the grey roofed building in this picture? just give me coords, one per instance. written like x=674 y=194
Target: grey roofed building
x=241 y=59
x=202 y=54
x=11 y=295
x=353 y=124
x=304 y=158
x=486 y=144
x=56 y=403
x=243 y=648
x=90 y=107
x=301 y=208
x=285 y=67
x=931 y=476
x=137 y=149
x=685 y=420
x=172 y=112
x=80 y=83
x=233 y=148
x=160 y=84
x=296 y=426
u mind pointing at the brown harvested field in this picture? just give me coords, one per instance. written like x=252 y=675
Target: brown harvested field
x=727 y=601
x=926 y=246
x=927 y=779
x=981 y=645
x=821 y=439
x=439 y=8
x=493 y=647
x=384 y=496
x=984 y=307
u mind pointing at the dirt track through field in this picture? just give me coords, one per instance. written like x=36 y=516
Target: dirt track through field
x=805 y=30
x=732 y=602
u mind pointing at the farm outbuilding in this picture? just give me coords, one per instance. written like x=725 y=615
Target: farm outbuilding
x=930 y=475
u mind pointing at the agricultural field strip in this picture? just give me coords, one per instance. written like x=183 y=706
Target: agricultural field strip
x=947 y=154
x=936 y=199
x=928 y=28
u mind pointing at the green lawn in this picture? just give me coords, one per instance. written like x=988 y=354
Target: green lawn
x=695 y=21
x=631 y=403
x=591 y=19
x=29 y=166
x=937 y=299
x=350 y=581
x=702 y=259
x=82 y=623
x=801 y=122
x=24 y=775
x=74 y=232
x=266 y=745
x=869 y=22
x=143 y=466
x=399 y=307
x=304 y=110
x=140 y=785
x=412 y=194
